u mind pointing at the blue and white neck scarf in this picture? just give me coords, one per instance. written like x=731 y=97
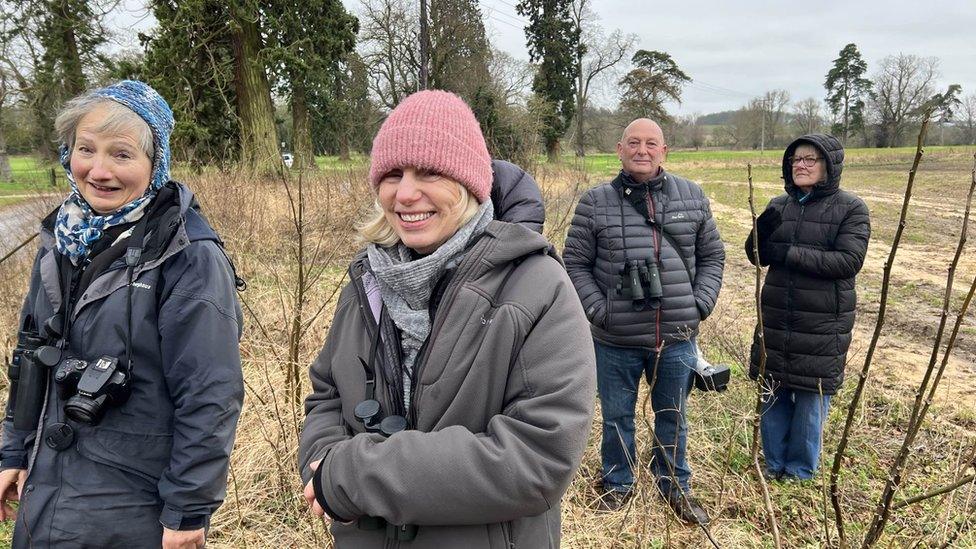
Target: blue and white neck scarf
x=78 y=226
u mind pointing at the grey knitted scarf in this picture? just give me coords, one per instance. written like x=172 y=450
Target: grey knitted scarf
x=406 y=284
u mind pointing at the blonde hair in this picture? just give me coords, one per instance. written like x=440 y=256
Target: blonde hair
x=377 y=230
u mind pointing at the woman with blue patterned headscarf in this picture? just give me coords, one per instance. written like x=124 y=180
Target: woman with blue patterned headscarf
x=120 y=428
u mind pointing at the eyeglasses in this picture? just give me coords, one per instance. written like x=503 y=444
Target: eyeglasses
x=807 y=161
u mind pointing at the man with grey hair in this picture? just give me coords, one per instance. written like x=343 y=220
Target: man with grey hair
x=645 y=256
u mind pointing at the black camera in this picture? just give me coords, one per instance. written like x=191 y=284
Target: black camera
x=28 y=370
x=90 y=388
x=640 y=280
x=709 y=377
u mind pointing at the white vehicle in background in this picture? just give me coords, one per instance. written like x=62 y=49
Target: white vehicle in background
x=288 y=159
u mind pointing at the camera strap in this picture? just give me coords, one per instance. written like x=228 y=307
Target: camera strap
x=133 y=255
x=370 y=368
x=623 y=227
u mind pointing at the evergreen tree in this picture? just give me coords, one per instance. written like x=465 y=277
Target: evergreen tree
x=553 y=41
x=846 y=90
x=259 y=137
x=308 y=41
x=655 y=79
x=189 y=61
x=354 y=117
x=64 y=36
x=207 y=57
x=459 y=51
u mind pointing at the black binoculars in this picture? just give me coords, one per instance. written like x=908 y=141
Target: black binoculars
x=640 y=281
x=370 y=413
x=28 y=369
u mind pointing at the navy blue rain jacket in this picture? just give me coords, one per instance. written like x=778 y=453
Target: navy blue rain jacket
x=160 y=459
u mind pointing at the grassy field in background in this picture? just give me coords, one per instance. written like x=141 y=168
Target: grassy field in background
x=264 y=507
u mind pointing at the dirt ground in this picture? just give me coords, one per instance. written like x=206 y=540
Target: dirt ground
x=918 y=280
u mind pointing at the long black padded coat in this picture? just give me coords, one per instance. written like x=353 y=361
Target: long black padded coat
x=808 y=301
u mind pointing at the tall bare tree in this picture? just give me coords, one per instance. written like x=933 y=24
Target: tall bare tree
x=511 y=76
x=6 y=174
x=807 y=116
x=968 y=118
x=774 y=103
x=902 y=85
x=595 y=61
x=388 y=35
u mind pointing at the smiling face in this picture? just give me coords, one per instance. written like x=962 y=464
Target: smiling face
x=805 y=177
x=110 y=169
x=642 y=149
x=422 y=207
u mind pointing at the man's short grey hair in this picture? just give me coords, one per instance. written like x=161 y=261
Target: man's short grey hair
x=118 y=120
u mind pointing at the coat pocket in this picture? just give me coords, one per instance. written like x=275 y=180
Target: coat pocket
x=145 y=456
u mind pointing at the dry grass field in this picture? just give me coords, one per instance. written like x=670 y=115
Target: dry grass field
x=294 y=254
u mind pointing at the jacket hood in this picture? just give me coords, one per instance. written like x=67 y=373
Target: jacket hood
x=833 y=154
x=513 y=241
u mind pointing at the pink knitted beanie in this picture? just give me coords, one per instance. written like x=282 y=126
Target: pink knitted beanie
x=433 y=130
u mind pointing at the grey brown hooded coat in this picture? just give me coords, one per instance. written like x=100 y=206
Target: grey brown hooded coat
x=500 y=416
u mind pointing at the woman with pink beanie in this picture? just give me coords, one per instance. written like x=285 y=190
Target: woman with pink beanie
x=452 y=400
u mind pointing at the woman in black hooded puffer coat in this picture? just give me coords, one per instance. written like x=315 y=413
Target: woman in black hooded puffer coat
x=814 y=239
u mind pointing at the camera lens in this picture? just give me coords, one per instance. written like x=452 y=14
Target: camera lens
x=83 y=409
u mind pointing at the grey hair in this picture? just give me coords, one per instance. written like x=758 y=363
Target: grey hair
x=118 y=119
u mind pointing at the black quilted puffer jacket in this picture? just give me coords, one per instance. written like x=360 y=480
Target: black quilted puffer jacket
x=808 y=299
x=667 y=220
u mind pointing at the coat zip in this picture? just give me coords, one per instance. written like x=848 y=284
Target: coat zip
x=471 y=258
x=789 y=295
x=655 y=229
x=508 y=535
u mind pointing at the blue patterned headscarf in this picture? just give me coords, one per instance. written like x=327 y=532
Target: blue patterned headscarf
x=78 y=226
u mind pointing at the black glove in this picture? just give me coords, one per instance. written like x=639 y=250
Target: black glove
x=774 y=253
x=768 y=222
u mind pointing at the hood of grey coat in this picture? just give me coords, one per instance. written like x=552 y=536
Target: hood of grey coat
x=833 y=154
x=516 y=196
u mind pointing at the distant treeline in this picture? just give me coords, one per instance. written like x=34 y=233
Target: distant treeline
x=250 y=79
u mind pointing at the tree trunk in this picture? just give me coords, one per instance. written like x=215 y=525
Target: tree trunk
x=580 y=143
x=847 y=113
x=552 y=150
x=6 y=174
x=344 y=146
x=74 y=76
x=302 y=137
x=259 y=140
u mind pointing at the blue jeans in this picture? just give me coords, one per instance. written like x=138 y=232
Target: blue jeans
x=618 y=373
x=792 y=424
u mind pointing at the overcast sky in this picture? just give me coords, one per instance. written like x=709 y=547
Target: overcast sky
x=735 y=50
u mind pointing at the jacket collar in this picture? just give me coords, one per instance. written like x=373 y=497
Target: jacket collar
x=653 y=184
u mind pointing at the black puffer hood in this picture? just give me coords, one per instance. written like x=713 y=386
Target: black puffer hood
x=833 y=154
